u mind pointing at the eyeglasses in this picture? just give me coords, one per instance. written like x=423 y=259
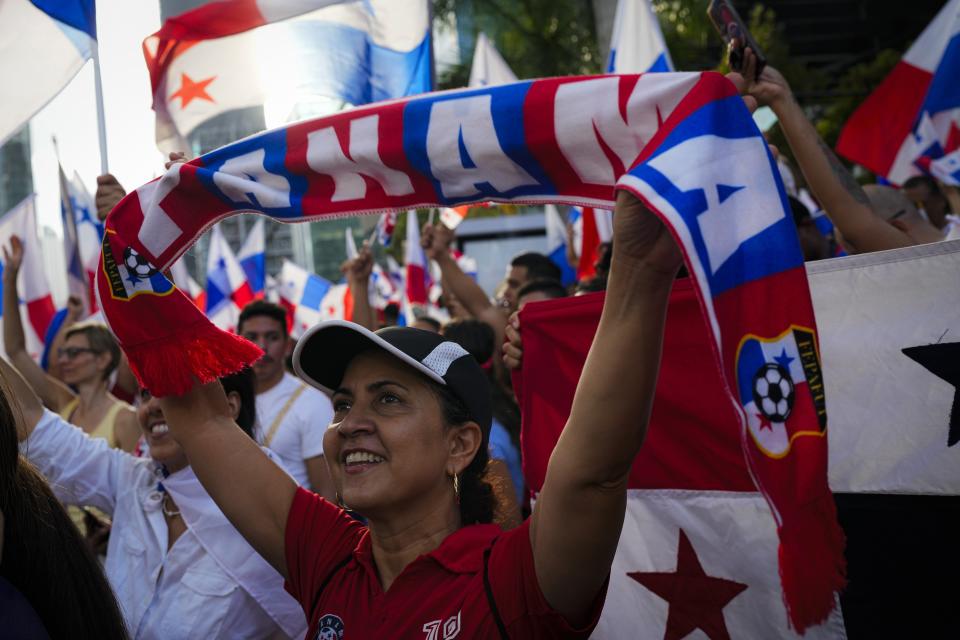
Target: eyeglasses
x=72 y=352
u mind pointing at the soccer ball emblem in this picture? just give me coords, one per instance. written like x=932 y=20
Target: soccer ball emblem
x=137 y=265
x=330 y=627
x=773 y=392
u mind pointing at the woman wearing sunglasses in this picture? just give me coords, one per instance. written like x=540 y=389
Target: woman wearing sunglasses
x=88 y=356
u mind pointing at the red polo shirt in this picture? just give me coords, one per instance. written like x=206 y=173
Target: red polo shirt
x=438 y=596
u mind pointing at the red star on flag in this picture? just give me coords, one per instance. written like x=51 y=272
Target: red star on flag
x=190 y=90
x=764 y=422
x=696 y=600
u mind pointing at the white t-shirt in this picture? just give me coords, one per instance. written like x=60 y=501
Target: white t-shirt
x=300 y=434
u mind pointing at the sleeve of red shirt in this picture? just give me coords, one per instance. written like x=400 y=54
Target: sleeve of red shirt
x=523 y=608
x=319 y=537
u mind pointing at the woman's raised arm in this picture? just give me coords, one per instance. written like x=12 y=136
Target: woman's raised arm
x=579 y=513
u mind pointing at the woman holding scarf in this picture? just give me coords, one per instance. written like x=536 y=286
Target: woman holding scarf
x=408 y=450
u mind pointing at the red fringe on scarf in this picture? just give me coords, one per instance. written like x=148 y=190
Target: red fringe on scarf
x=812 y=565
x=201 y=351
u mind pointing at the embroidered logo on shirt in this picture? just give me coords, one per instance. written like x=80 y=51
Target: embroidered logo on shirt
x=440 y=630
x=330 y=627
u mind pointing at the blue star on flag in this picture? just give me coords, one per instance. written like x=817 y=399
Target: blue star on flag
x=784 y=360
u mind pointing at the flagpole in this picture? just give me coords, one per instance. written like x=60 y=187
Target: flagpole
x=101 y=117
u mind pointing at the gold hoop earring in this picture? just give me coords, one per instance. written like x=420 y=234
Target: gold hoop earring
x=456 y=487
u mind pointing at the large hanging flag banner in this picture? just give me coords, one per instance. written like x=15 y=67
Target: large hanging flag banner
x=684 y=143
x=637 y=44
x=699 y=546
x=228 y=291
x=235 y=54
x=892 y=376
x=36 y=301
x=43 y=44
x=913 y=117
x=890 y=333
x=489 y=67
x=253 y=258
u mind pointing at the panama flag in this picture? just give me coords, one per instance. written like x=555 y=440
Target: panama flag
x=557 y=244
x=596 y=227
x=43 y=44
x=302 y=293
x=294 y=58
x=253 y=258
x=697 y=557
x=416 y=263
x=309 y=298
x=227 y=288
x=914 y=115
x=637 y=44
x=36 y=302
x=77 y=284
x=89 y=231
x=489 y=67
x=186 y=283
x=385 y=226
x=947 y=168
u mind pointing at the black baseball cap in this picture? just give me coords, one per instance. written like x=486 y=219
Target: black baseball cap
x=326 y=349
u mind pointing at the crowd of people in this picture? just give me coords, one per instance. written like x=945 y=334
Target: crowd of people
x=367 y=479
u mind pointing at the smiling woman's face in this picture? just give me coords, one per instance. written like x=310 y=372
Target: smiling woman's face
x=163 y=448
x=387 y=447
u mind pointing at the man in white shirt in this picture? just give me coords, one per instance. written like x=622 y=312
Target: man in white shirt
x=291 y=415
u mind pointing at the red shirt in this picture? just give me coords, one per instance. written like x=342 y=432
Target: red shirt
x=438 y=596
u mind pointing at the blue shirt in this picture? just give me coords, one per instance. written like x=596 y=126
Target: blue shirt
x=501 y=448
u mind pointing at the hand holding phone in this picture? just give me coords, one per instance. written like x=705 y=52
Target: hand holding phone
x=735 y=35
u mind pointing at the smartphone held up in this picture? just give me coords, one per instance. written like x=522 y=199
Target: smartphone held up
x=735 y=35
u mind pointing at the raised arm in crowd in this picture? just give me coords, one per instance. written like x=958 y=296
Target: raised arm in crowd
x=872 y=219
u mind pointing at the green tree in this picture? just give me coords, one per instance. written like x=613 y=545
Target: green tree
x=537 y=38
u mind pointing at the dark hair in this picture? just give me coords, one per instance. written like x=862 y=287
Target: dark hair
x=598 y=283
x=100 y=339
x=478 y=503
x=551 y=288
x=262 y=308
x=799 y=210
x=44 y=556
x=475 y=336
x=923 y=181
x=243 y=383
x=430 y=320
x=478 y=338
x=391 y=313
x=604 y=258
x=537 y=265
